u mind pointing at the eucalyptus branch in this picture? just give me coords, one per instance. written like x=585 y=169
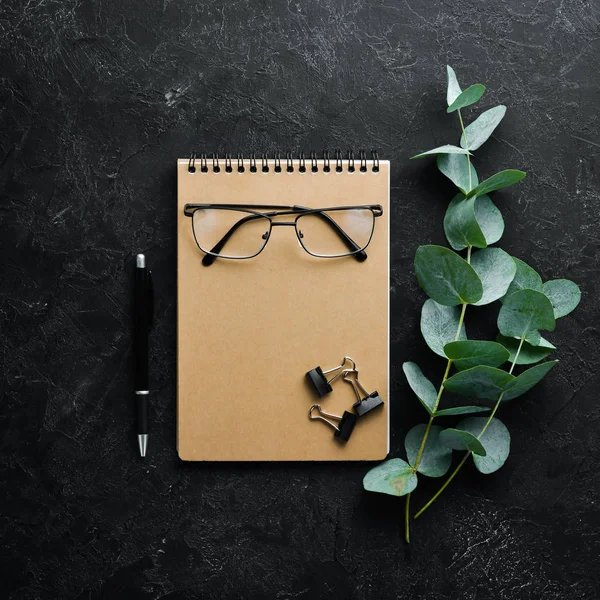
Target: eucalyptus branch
x=415 y=465
x=487 y=275
x=430 y=423
x=469 y=452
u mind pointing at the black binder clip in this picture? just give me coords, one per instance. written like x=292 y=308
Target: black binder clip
x=347 y=421
x=366 y=403
x=318 y=378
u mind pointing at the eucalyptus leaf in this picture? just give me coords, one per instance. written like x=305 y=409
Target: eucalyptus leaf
x=394 y=477
x=489 y=218
x=471 y=95
x=456 y=168
x=478 y=132
x=496 y=269
x=446 y=277
x=524 y=313
x=461 y=410
x=533 y=337
x=481 y=381
x=420 y=385
x=495 y=440
x=439 y=325
x=529 y=354
x=471 y=353
x=462 y=440
x=461 y=226
x=436 y=458
x=563 y=294
x=525 y=278
x=526 y=380
x=495 y=182
x=447 y=149
x=453 y=88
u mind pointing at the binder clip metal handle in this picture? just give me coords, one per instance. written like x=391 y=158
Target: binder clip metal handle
x=368 y=401
x=318 y=377
x=343 y=430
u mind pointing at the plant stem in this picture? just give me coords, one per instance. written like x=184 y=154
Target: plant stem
x=462 y=127
x=517 y=354
x=446 y=483
x=466 y=456
x=432 y=417
x=407 y=520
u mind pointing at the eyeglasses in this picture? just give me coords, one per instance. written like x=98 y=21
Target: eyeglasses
x=239 y=231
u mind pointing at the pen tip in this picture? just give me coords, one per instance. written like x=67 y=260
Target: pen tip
x=143 y=443
x=140 y=261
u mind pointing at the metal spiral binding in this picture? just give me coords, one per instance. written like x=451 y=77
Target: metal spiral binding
x=350 y=161
x=375 y=161
x=363 y=161
x=289 y=160
x=313 y=162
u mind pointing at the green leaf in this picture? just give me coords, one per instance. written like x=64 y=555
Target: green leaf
x=496 y=269
x=495 y=440
x=478 y=132
x=526 y=380
x=529 y=354
x=462 y=440
x=481 y=381
x=495 y=182
x=446 y=277
x=439 y=325
x=453 y=88
x=564 y=295
x=394 y=477
x=471 y=353
x=471 y=95
x=489 y=218
x=461 y=226
x=461 y=410
x=447 y=149
x=420 y=385
x=456 y=168
x=524 y=313
x=436 y=458
x=526 y=278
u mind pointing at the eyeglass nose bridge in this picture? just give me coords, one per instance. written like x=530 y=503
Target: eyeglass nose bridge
x=283 y=224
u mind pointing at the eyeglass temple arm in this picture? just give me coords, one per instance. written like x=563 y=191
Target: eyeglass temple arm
x=359 y=254
x=209 y=259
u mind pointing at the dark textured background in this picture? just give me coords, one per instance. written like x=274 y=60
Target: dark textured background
x=97 y=100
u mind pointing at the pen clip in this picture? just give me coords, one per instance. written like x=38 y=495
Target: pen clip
x=150 y=298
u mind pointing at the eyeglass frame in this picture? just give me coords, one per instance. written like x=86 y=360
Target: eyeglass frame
x=210 y=257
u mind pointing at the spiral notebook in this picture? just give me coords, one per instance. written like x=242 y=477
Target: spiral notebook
x=249 y=330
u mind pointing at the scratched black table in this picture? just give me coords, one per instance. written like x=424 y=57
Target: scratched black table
x=97 y=101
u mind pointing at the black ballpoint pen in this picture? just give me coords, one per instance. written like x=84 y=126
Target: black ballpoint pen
x=144 y=307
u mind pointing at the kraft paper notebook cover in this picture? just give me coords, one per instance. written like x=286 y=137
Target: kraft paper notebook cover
x=249 y=330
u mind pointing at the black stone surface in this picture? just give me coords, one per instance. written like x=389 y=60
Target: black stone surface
x=97 y=100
